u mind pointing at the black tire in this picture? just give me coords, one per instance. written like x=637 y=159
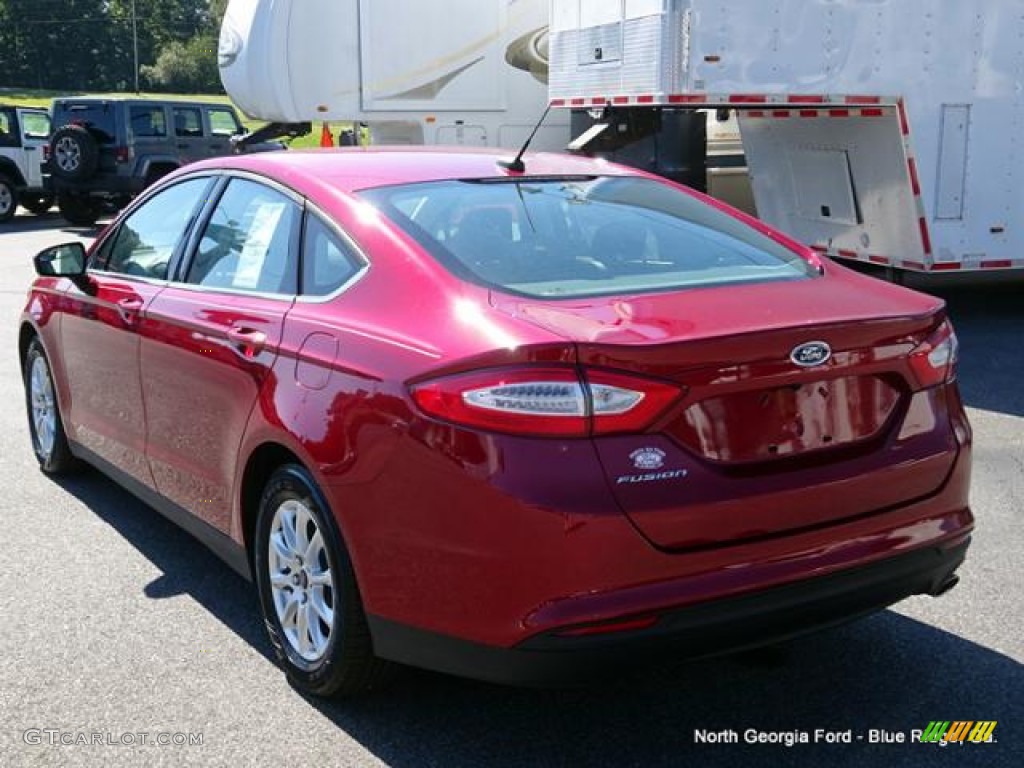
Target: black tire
x=74 y=154
x=38 y=203
x=79 y=210
x=8 y=198
x=346 y=665
x=53 y=453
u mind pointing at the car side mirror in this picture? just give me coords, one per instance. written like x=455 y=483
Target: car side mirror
x=66 y=260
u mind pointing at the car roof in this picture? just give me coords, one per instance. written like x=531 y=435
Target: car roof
x=119 y=99
x=354 y=168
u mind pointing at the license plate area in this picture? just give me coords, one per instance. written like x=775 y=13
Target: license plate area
x=780 y=422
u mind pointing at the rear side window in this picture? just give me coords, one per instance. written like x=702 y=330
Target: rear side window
x=148 y=121
x=149 y=236
x=575 y=237
x=98 y=117
x=249 y=244
x=327 y=261
x=35 y=125
x=187 y=122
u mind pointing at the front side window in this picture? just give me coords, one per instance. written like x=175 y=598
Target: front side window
x=583 y=236
x=249 y=242
x=147 y=239
x=223 y=122
x=148 y=121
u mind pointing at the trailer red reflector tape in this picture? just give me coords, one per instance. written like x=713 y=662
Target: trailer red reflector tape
x=646 y=99
x=915 y=182
x=863 y=100
x=872 y=113
x=806 y=99
x=748 y=98
x=926 y=239
x=947 y=267
x=839 y=113
x=687 y=98
x=904 y=122
x=997 y=264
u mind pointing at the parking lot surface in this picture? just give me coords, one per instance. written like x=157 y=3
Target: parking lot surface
x=120 y=630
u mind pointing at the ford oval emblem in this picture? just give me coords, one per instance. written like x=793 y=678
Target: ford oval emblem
x=811 y=354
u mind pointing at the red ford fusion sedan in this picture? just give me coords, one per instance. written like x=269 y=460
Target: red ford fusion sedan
x=520 y=425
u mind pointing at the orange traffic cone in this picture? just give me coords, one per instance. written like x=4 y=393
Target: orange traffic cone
x=326 y=139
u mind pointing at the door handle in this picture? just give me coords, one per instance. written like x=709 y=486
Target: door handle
x=129 y=310
x=248 y=342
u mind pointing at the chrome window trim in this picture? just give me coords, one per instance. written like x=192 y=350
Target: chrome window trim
x=362 y=267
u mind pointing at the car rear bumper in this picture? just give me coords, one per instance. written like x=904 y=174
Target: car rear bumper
x=703 y=629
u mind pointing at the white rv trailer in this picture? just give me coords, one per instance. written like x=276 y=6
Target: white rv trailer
x=885 y=131
x=469 y=72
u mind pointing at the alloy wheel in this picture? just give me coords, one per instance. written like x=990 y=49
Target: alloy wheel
x=44 y=411
x=6 y=199
x=301 y=582
x=67 y=154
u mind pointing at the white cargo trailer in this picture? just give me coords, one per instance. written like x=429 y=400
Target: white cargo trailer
x=886 y=131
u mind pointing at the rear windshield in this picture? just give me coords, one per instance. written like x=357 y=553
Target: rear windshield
x=97 y=116
x=578 y=237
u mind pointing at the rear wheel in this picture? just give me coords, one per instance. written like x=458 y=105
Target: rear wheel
x=80 y=210
x=8 y=198
x=38 y=203
x=49 y=441
x=308 y=592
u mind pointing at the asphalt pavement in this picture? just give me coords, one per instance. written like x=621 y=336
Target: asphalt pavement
x=118 y=630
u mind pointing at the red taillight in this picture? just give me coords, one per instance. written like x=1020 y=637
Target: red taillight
x=46 y=152
x=546 y=401
x=122 y=154
x=934 y=360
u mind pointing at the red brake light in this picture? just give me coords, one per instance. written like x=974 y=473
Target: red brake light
x=122 y=154
x=546 y=401
x=934 y=360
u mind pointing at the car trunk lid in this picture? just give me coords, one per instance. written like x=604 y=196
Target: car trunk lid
x=762 y=441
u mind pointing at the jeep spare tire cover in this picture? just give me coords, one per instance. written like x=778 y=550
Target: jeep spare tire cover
x=74 y=154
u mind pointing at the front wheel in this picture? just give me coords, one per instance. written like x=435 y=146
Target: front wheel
x=49 y=442
x=308 y=592
x=8 y=199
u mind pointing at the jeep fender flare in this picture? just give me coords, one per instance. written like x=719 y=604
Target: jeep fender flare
x=11 y=170
x=146 y=164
